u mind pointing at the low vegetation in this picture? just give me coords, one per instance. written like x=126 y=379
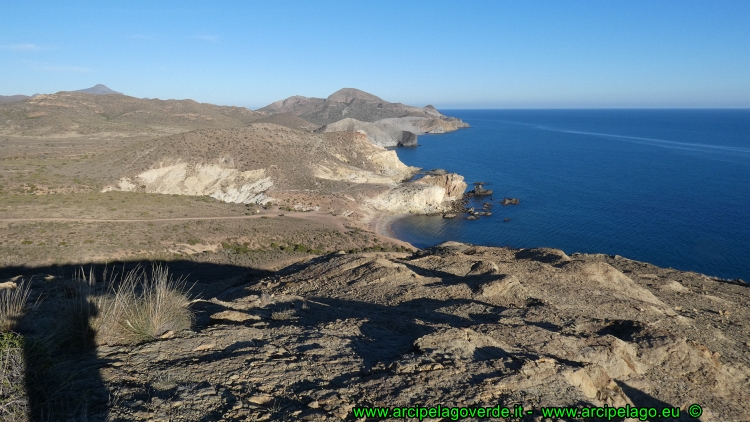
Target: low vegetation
x=12 y=305
x=13 y=401
x=140 y=306
x=43 y=371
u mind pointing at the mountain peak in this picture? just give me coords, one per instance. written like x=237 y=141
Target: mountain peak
x=99 y=89
x=345 y=95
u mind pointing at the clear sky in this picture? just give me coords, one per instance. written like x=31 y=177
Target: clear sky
x=452 y=54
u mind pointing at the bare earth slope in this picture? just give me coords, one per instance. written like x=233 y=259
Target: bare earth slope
x=458 y=325
x=78 y=113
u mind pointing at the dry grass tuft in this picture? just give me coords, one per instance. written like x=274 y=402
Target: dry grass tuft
x=137 y=307
x=13 y=400
x=13 y=305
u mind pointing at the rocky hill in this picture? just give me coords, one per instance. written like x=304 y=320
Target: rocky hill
x=360 y=108
x=79 y=113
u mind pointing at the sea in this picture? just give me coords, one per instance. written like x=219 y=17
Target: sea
x=669 y=187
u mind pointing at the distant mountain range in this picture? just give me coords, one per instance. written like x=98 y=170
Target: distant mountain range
x=97 y=89
x=12 y=98
x=82 y=113
x=346 y=110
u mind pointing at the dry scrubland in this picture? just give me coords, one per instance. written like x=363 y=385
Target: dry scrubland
x=56 y=154
x=142 y=306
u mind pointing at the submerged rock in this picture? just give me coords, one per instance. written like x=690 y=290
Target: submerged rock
x=510 y=201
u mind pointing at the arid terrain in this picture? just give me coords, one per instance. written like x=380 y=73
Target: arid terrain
x=286 y=301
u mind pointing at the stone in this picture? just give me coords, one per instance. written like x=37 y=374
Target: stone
x=261 y=399
x=202 y=347
x=234 y=316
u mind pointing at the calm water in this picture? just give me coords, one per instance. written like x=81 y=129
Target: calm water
x=670 y=187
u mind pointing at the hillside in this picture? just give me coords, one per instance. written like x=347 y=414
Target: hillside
x=337 y=172
x=78 y=113
x=12 y=98
x=453 y=326
x=288 y=120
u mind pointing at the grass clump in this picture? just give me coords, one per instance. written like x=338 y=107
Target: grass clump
x=13 y=305
x=13 y=399
x=141 y=306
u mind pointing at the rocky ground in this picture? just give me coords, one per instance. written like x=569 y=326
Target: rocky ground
x=456 y=325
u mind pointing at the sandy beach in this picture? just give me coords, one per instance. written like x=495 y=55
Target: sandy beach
x=381 y=224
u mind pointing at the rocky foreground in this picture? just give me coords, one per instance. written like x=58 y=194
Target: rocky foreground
x=456 y=325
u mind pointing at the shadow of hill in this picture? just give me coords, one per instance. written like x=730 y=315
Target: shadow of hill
x=62 y=369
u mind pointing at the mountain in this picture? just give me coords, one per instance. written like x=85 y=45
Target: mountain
x=362 y=108
x=12 y=98
x=99 y=89
x=347 y=103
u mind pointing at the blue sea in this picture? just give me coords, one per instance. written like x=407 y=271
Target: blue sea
x=669 y=187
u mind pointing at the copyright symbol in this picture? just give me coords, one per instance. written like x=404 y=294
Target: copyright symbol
x=695 y=410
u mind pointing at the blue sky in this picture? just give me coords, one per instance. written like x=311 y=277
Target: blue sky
x=475 y=54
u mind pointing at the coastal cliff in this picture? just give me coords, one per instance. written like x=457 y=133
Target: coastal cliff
x=267 y=163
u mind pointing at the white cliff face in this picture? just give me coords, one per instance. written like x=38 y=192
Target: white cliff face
x=225 y=184
x=382 y=167
x=453 y=184
x=424 y=196
x=410 y=198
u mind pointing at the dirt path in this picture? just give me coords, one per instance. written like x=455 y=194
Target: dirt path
x=300 y=215
x=103 y=220
x=381 y=227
